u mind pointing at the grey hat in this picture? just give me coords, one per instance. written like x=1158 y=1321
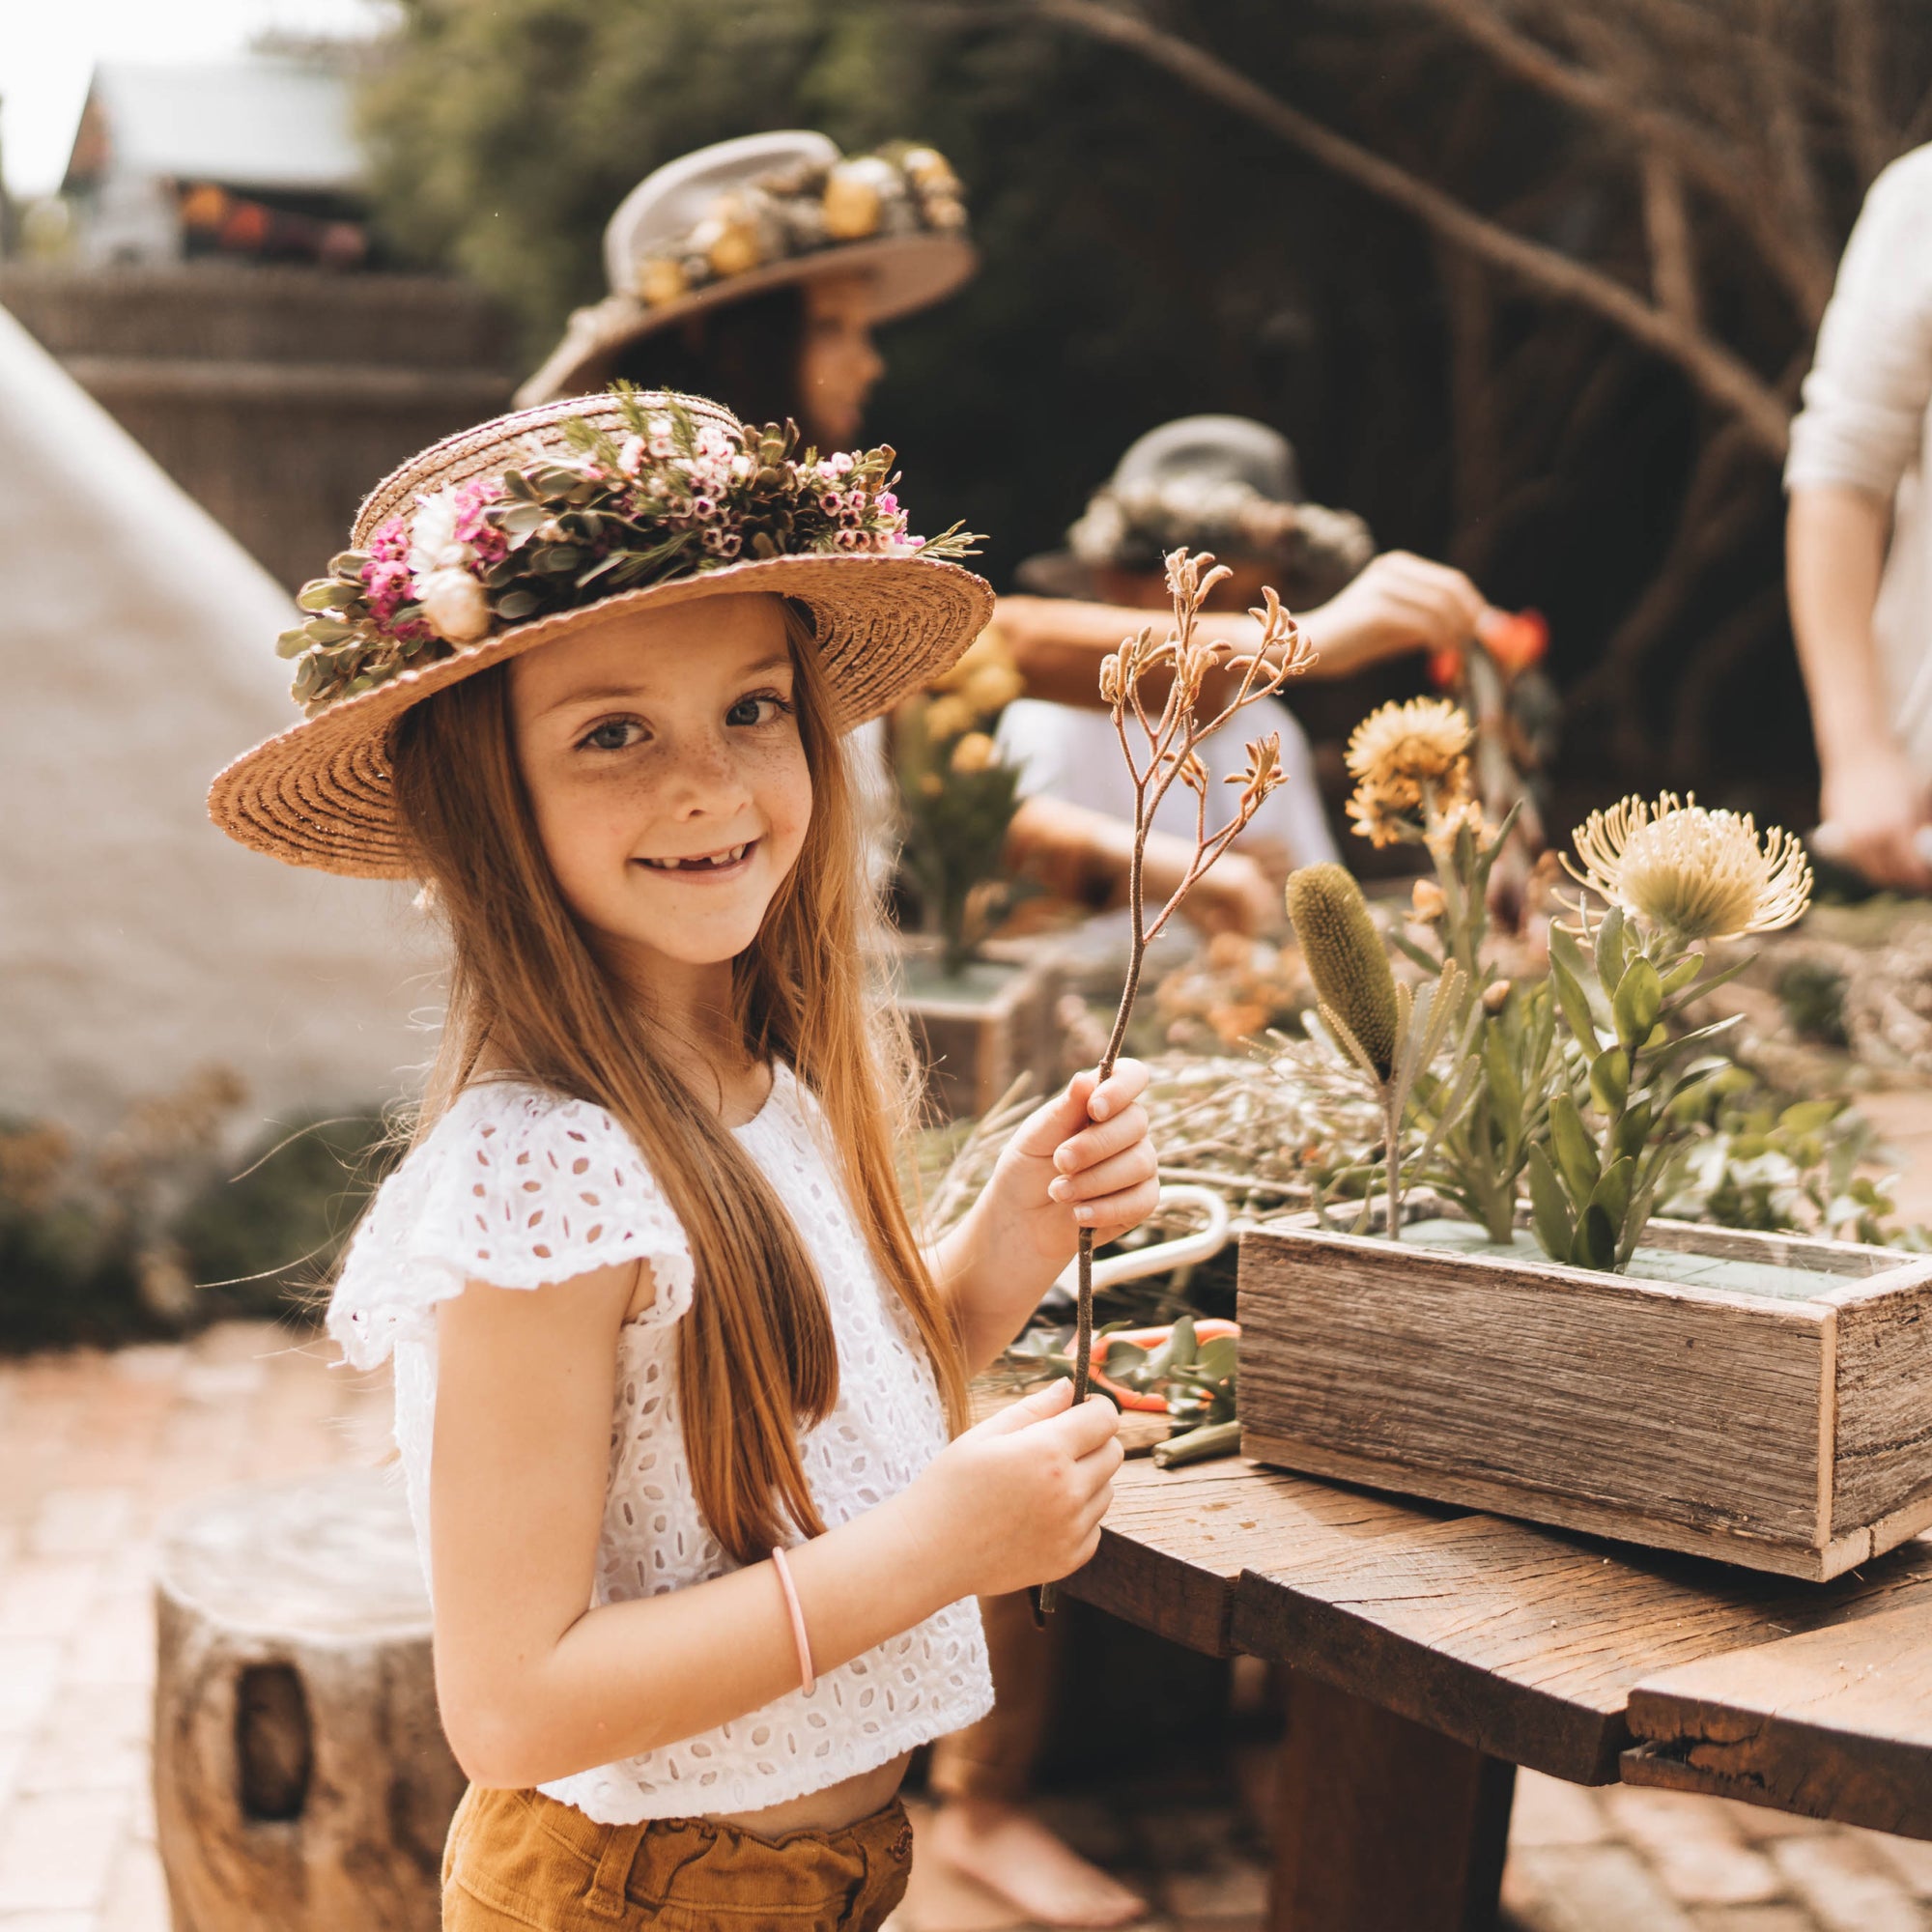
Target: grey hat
x=1219 y=483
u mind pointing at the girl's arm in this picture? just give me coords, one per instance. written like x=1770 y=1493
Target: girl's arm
x=533 y=1685
x=1084 y=1159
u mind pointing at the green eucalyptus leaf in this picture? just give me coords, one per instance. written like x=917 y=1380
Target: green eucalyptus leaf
x=292 y=644
x=1548 y=1210
x=319 y=593
x=1637 y=1002
x=1609 y=951
x=1595 y=1245
x=1610 y=1080
x=1576 y=1157
x=516 y=605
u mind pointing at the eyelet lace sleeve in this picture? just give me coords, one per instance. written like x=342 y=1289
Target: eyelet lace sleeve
x=514 y=1187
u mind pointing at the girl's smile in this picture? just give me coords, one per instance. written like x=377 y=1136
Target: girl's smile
x=705 y=867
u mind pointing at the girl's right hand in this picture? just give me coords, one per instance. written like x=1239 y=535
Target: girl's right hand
x=1018 y=1501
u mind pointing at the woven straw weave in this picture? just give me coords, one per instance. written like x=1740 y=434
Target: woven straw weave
x=318 y=794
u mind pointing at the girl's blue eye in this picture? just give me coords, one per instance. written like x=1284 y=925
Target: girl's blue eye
x=612 y=735
x=762 y=709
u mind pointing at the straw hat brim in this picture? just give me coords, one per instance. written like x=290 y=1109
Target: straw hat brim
x=318 y=793
x=908 y=271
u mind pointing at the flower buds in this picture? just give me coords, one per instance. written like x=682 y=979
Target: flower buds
x=1346 y=958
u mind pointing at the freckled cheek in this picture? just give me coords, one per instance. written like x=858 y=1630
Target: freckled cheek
x=589 y=826
x=779 y=780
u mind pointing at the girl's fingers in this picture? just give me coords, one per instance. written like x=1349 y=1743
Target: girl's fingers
x=1127 y=1082
x=1118 y=1213
x=1113 y=1175
x=1093 y=1144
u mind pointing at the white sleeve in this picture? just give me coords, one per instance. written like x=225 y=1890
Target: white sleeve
x=1866 y=399
x=514 y=1187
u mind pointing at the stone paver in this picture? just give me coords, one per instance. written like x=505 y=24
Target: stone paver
x=96 y=1448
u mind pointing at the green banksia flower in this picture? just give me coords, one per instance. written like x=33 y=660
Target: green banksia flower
x=1346 y=957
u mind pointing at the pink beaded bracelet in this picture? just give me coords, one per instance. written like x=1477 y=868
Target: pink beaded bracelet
x=807 y=1675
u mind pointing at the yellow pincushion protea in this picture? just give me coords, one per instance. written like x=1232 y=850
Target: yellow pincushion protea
x=1690 y=871
x=1402 y=755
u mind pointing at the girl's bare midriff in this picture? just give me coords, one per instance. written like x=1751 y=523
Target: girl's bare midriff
x=829 y=1810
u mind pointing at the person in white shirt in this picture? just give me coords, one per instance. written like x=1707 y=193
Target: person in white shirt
x=1858 y=542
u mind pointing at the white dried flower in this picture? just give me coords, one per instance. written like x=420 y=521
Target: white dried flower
x=454 y=605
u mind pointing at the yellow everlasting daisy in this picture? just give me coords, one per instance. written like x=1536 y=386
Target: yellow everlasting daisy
x=1400 y=754
x=1692 y=872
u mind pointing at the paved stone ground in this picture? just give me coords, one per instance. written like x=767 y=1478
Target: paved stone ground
x=95 y=1449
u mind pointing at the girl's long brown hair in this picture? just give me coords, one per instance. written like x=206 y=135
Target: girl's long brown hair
x=528 y=995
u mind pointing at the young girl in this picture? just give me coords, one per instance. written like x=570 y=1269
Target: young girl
x=674 y=1379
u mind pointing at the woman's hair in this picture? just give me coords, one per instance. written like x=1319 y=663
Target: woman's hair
x=529 y=998
x=743 y=354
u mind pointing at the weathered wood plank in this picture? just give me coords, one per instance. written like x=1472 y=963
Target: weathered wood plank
x=1571 y=1513
x=1522 y=1642
x=1882 y=1465
x=1177 y=1540
x=1380 y=1823
x=1832 y=1723
x=1488 y=1381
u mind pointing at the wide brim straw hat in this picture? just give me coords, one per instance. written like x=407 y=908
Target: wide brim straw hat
x=907 y=269
x=887 y=623
x=1197 y=482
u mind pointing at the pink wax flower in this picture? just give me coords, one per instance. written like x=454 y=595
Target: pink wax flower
x=632 y=456
x=887 y=501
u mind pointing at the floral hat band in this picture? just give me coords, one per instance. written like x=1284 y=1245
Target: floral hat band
x=676 y=486
x=530 y=528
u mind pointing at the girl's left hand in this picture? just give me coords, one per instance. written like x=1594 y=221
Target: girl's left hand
x=1084 y=1161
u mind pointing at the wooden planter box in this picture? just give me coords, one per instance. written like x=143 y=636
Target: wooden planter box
x=979 y=1029
x=1788 y=1430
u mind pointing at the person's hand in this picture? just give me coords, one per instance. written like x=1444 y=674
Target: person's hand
x=1399 y=602
x=1084 y=1159
x=1018 y=1501
x=1234 y=895
x=1873 y=807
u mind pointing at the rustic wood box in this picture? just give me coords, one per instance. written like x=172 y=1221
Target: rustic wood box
x=1789 y=1431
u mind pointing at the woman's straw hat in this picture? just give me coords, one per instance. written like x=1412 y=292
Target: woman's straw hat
x=888 y=617
x=736 y=218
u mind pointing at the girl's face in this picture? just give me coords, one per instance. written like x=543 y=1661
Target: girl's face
x=838 y=365
x=666 y=775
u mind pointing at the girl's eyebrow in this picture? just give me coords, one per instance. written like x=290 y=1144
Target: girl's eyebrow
x=617 y=693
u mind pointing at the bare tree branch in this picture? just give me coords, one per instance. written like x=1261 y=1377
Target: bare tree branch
x=1788 y=149
x=1724 y=379
x=1666 y=226
x=1802 y=272
x=1856 y=56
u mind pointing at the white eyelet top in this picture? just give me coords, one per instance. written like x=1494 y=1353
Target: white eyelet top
x=517 y=1188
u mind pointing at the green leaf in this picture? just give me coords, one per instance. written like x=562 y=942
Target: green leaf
x=1682 y=974
x=1612 y=1194
x=1576 y=1157
x=1610 y=1080
x=1430 y=962
x=1548 y=1210
x=514 y=604
x=318 y=594
x=1595 y=1245
x=1575 y=1002
x=1637 y=1002
x=1505 y=1091
x=292 y=644
x=1633 y=1129
x=1611 y=951
x=1809 y=1117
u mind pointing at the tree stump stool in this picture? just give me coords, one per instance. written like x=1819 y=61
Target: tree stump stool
x=301 y=1779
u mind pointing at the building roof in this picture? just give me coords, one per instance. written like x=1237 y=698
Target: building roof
x=262 y=121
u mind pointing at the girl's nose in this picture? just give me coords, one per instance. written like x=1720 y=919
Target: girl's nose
x=706 y=778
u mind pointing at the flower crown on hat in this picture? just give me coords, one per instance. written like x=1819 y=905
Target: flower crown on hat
x=562 y=528
x=1134 y=525
x=901 y=189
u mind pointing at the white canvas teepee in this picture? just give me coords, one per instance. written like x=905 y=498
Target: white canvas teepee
x=138 y=945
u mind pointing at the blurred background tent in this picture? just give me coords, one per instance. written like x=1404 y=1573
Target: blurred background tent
x=1532 y=290
x=139 y=949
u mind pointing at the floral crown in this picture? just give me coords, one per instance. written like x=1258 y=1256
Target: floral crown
x=902 y=189
x=669 y=497
x=1134 y=525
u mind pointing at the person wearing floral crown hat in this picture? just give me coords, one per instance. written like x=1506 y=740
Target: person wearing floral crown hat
x=679 y=1393
x=1231 y=486
x=1221 y=484
x=756 y=269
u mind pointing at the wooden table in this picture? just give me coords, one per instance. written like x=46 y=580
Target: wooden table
x=1433 y=1650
